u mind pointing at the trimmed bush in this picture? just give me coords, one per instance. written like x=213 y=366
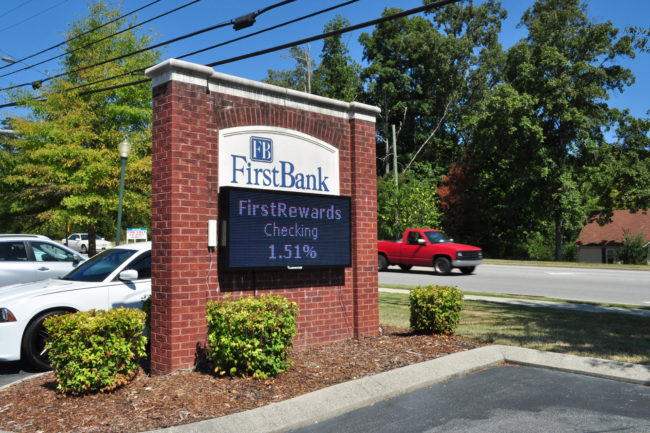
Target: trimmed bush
x=251 y=336
x=435 y=309
x=95 y=350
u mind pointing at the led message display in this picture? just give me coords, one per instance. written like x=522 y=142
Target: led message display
x=270 y=229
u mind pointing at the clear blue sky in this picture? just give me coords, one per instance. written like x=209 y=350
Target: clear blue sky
x=28 y=26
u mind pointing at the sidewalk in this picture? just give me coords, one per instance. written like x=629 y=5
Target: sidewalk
x=544 y=304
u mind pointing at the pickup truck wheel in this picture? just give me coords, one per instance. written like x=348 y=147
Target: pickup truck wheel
x=33 y=344
x=442 y=265
x=383 y=262
x=468 y=270
x=405 y=268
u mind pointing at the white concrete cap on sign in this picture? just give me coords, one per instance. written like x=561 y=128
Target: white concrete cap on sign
x=186 y=72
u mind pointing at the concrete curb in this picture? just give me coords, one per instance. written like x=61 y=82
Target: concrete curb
x=22 y=379
x=345 y=397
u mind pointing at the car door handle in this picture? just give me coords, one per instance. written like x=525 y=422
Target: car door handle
x=43 y=268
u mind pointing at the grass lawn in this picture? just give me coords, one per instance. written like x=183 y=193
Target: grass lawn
x=618 y=337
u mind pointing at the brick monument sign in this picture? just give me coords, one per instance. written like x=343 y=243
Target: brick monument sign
x=286 y=179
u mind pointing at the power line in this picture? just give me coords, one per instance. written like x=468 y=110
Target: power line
x=275 y=27
x=34 y=16
x=233 y=22
x=87 y=32
x=381 y=20
x=343 y=30
x=335 y=32
x=14 y=8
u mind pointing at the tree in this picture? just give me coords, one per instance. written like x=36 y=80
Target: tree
x=427 y=74
x=414 y=203
x=299 y=78
x=337 y=76
x=567 y=65
x=65 y=167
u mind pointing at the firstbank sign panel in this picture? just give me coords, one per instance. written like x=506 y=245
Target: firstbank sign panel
x=277 y=159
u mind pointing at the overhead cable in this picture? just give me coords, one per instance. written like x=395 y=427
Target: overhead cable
x=381 y=20
x=277 y=26
x=33 y=16
x=152 y=47
x=15 y=7
x=94 y=42
x=343 y=30
x=335 y=32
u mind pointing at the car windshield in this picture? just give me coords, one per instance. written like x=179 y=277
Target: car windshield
x=437 y=237
x=100 y=266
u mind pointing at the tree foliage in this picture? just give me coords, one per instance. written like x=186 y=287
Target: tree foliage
x=538 y=157
x=337 y=76
x=428 y=73
x=568 y=66
x=413 y=203
x=634 y=250
x=64 y=166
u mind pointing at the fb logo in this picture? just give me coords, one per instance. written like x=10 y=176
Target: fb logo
x=261 y=149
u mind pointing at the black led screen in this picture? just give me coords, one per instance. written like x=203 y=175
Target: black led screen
x=270 y=229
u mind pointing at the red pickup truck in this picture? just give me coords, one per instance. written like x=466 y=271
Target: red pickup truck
x=425 y=247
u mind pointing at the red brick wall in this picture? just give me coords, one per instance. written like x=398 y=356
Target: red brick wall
x=334 y=303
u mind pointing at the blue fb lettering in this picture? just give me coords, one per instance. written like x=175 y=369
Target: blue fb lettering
x=261 y=149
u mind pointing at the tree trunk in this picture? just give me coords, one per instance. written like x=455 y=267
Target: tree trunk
x=559 y=238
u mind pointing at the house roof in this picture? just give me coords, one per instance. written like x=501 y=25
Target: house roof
x=613 y=233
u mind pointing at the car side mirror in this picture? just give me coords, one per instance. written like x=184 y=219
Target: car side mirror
x=76 y=259
x=129 y=275
x=421 y=241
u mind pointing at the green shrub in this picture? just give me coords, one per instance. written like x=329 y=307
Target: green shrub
x=633 y=250
x=435 y=309
x=251 y=335
x=95 y=350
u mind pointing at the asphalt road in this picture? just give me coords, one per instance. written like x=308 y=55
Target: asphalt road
x=578 y=284
x=13 y=371
x=505 y=399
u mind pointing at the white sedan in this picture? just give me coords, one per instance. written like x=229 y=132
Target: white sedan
x=79 y=242
x=120 y=276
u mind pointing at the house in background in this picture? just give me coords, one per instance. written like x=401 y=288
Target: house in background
x=600 y=243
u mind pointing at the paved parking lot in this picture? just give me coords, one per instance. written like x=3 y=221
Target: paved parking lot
x=505 y=399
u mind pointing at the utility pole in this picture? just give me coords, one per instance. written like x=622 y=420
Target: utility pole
x=395 y=154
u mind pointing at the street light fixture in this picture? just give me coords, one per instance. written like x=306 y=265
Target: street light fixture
x=7 y=59
x=124 y=149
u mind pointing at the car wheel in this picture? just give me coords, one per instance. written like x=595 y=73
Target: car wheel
x=468 y=270
x=442 y=265
x=383 y=262
x=405 y=268
x=34 y=338
x=84 y=250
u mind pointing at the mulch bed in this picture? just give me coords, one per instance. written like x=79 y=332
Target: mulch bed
x=149 y=403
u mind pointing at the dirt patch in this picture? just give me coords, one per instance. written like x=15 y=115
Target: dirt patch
x=150 y=403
